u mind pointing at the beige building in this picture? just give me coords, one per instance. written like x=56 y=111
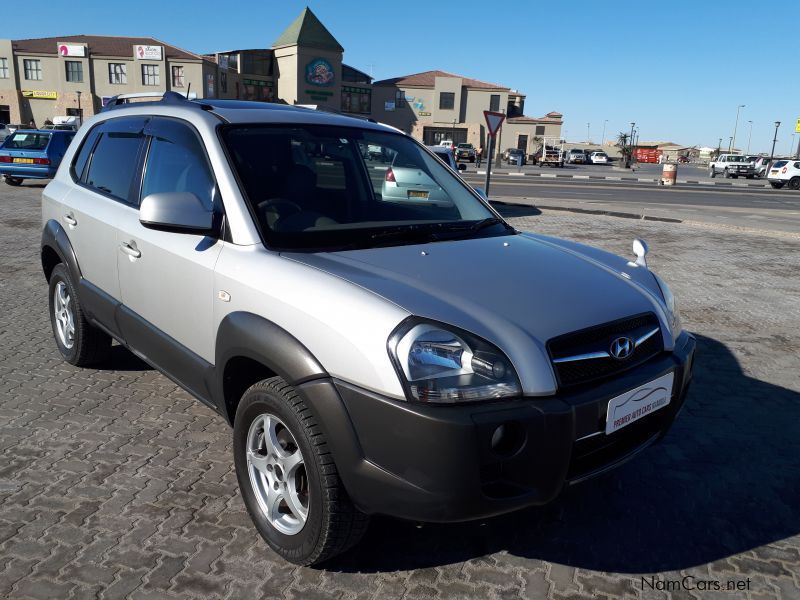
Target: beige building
x=434 y=106
x=48 y=77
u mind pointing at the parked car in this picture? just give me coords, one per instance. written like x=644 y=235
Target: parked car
x=598 y=158
x=32 y=154
x=575 y=156
x=465 y=152
x=447 y=157
x=785 y=172
x=375 y=369
x=514 y=155
x=761 y=166
x=731 y=165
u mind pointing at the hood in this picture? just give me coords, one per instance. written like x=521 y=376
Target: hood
x=515 y=291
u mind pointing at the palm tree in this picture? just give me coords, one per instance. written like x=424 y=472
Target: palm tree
x=625 y=150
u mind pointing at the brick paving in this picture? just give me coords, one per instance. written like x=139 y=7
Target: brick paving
x=116 y=484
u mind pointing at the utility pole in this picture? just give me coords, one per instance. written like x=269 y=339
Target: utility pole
x=80 y=112
x=774 y=139
x=499 y=159
x=730 y=143
x=603 y=137
x=736 y=125
x=749 y=136
x=588 y=134
x=629 y=156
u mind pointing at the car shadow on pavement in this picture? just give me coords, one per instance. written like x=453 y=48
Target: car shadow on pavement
x=122 y=359
x=508 y=211
x=725 y=480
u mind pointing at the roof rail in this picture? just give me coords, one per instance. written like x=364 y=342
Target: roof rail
x=169 y=97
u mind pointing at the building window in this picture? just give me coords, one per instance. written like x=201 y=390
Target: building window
x=399 y=99
x=255 y=89
x=3 y=68
x=356 y=100
x=223 y=82
x=32 y=68
x=74 y=70
x=447 y=100
x=150 y=75
x=117 y=73
x=494 y=102
x=178 y=79
x=540 y=130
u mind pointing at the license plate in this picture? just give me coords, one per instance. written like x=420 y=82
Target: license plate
x=638 y=403
x=27 y=161
x=417 y=194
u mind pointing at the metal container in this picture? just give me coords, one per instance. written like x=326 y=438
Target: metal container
x=669 y=174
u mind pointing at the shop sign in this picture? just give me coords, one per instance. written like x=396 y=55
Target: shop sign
x=40 y=94
x=319 y=72
x=424 y=114
x=148 y=52
x=71 y=50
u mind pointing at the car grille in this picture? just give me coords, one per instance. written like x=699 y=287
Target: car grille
x=597 y=340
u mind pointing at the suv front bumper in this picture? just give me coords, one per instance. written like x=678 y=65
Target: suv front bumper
x=436 y=463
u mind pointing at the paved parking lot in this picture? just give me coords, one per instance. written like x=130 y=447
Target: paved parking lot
x=116 y=484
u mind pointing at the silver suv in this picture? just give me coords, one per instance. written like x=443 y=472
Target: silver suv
x=410 y=356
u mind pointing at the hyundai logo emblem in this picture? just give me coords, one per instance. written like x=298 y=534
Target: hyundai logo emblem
x=621 y=348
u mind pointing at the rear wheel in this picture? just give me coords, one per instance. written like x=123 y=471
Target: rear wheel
x=288 y=478
x=794 y=183
x=776 y=184
x=712 y=172
x=80 y=343
x=15 y=181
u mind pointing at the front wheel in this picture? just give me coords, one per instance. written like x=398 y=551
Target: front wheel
x=725 y=173
x=288 y=478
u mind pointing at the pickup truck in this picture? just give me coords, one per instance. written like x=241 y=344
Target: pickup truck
x=731 y=165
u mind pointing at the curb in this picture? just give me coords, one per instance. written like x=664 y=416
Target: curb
x=617 y=178
x=592 y=211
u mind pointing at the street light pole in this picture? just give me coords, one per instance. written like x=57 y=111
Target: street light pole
x=629 y=157
x=774 y=139
x=80 y=112
x=749 y=136
x=588 y=134
x=603 y=137
x=735 y=126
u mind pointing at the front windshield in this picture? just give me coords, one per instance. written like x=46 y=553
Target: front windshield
x=465 y=146
x=322 y=187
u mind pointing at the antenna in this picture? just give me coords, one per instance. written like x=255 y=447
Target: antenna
x=189 y=89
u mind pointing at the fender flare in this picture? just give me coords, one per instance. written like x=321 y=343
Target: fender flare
x=55 y=238
x=244 y=334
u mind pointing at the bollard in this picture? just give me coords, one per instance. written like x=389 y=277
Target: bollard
x=669 y=174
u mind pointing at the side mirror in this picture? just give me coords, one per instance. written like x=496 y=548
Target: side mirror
x=640 y=249
x=178 y=212
x=481 y=193
x=462 y=167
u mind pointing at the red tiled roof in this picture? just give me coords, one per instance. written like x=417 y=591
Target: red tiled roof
x=101 y=45
x=428 y=79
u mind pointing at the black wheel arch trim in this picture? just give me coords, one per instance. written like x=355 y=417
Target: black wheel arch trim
x=55 y=238
x=247 y=335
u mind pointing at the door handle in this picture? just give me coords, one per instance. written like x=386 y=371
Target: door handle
x=129 y=250
x=70 y=220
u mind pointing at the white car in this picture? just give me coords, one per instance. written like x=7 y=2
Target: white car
x=785 y=172
x=761 y=165
x=598 y=158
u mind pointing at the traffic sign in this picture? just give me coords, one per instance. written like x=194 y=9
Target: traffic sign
x=493 y=121
x=797 y=126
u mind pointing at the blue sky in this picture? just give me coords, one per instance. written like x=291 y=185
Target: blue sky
x=678 y=69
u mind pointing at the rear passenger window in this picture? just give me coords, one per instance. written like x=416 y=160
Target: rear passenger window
x=176 y=162
x=114 y=163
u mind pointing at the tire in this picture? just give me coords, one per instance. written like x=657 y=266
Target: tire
x=794 y=183
x=15 y=181
x=776 y=184
x=725 y=173
x=80 y=343
x=331 y=524
x=712 y=173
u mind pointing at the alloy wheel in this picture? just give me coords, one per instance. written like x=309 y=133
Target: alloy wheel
x=277 y=474
x=62 y=310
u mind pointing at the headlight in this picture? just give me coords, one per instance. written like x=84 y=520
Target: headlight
x=673 y=314
x=441 y=364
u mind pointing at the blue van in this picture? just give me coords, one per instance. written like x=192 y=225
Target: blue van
x=33 y=154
